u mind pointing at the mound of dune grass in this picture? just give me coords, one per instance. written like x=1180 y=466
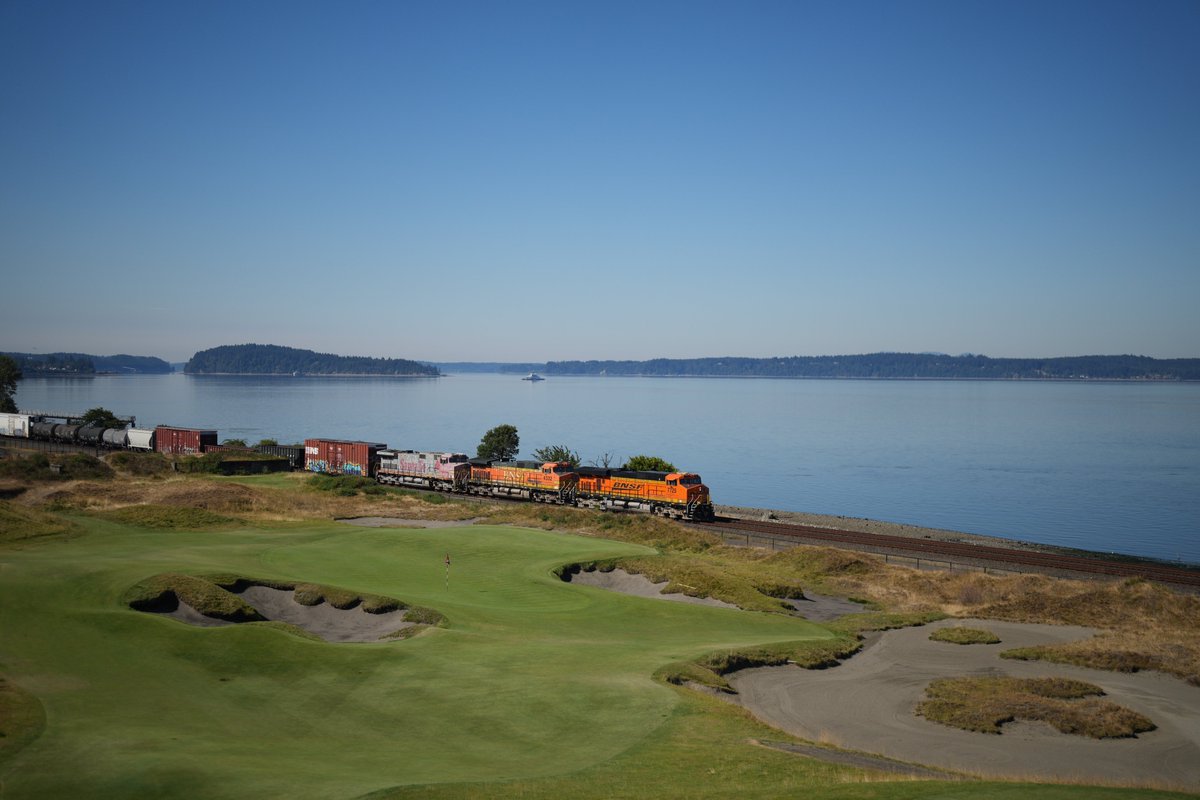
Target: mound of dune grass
x=59 y=467
x=18 y=523
x=961 y=635
x=140 y=464
x=168 y=517
x=984 y=704
x=164 y=593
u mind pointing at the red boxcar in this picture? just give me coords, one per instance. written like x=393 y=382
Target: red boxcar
x=338 y=457
x=191 y=441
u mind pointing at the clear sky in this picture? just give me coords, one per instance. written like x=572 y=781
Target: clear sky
x=553 y=180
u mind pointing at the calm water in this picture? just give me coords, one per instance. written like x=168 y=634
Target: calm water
x=1112 y=467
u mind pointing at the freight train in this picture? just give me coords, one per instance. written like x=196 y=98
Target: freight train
x=681 y=495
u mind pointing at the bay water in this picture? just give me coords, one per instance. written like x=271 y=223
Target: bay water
x=1113 y=467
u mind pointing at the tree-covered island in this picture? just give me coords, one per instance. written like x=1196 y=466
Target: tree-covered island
x=898 y=366
x=271 y=359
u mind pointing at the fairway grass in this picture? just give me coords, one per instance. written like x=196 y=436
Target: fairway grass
x=534 y=688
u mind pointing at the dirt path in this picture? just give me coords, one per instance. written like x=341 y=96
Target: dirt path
x=867 y=704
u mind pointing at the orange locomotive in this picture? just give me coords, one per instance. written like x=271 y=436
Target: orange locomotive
x=670 y=494
x=550 y=482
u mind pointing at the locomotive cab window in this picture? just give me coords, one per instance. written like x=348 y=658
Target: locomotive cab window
x=690 y=480
x=672 y=483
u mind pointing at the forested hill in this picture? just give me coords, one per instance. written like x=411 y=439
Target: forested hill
x=50 y=364
x=271 y=359
x=898 y=366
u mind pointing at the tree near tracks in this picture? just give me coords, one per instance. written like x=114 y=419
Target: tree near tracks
x=10 y=373
x=557 y=453
x=501 y=443
x=649 y=464
x=102 y=417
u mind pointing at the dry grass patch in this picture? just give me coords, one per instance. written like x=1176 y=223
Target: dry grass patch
x=985 y=704
x=18 y=523
x=961 y=635
x=271 y=504
x=168 y=517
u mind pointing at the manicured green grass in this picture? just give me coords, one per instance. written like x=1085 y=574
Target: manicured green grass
x=534 y=687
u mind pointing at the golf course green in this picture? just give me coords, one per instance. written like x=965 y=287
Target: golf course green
x=533 y=687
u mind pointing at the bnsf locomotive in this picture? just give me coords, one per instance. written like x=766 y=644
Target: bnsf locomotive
x=681 y=495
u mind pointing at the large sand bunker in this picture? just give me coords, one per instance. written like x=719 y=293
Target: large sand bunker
x=867 y=704
x=816 y=608
x=324 y=620
x=618 y=580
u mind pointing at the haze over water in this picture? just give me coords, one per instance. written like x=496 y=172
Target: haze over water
x=1102 y=466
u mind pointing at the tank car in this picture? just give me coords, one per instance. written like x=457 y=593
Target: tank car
x=91 y=434
x=117 y=438
x=68 y=432
x=40 y=429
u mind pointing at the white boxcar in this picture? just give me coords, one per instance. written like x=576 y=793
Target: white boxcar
x=141 y=439
x=14 y=425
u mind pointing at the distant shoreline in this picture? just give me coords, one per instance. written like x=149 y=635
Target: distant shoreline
x=309 y=374
x=630 y=375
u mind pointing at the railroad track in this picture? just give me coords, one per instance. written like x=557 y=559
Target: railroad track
x=905 y=545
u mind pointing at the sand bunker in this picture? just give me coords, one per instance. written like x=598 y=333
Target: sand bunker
x=816 y=608
x=822 y=608
x=867 y=704
x=618 y=580
x=323 y=620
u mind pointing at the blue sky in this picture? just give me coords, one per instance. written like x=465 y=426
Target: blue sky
x=529 y=181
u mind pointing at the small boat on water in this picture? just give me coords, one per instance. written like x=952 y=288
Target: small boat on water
x=533 y=376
